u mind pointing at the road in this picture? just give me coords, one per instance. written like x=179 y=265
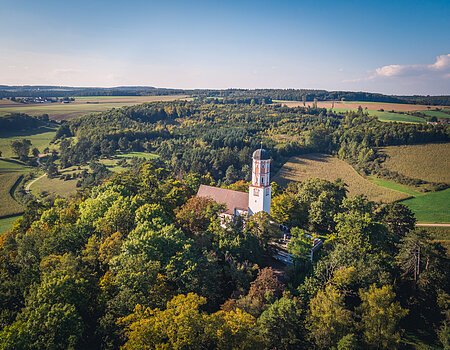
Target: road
x=27 y=187
x=433 y=225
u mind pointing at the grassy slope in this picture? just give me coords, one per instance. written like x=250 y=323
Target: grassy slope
x=8 y=206
x=331 y=168
x=431 y=207
x=396 y=117
x=437 y=114
x=55 y=186
x=38 y=139
x=7 y=223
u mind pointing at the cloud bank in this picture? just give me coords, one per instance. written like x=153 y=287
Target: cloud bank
x=439 y=69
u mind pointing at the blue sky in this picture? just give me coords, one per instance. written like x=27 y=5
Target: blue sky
x=398 y=47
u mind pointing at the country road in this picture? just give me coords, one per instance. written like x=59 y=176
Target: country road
x=433 y=225
x=27 y=187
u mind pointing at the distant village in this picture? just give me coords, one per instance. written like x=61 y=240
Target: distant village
x=32 y=100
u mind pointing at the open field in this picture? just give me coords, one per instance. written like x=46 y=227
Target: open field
x=429 y=162
x=39 y=138
x=396 y=117
x=54 y=186
x=7 y=223
x=330 y=168
x=373 y=108
x=410 y=191
x=431 y=207
x=81 y=105
x=437 y=114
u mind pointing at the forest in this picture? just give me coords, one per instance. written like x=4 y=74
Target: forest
x=275 y=94
x=135 y=260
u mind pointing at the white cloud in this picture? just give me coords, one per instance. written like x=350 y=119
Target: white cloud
x=439 y=69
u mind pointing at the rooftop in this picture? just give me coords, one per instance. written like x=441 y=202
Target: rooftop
x=261 y=154
x=232 y=199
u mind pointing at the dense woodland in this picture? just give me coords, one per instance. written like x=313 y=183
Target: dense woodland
x=135 y=260
x=274 y=94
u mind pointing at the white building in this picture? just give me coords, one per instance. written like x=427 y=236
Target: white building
x=257 y=199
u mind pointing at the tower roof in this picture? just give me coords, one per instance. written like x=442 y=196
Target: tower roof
x=261 y=154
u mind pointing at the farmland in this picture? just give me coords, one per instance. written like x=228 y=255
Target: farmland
x=385 y=112
x=81 y=105
x=330 y=168
x=430 y=162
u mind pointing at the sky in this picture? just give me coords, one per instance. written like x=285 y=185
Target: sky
x=386 y=46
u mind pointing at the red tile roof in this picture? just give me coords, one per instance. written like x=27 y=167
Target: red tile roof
x=232 y=199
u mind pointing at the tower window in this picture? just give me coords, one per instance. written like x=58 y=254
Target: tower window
x=256 y=192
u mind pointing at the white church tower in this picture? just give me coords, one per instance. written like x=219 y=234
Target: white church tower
x=260 y=192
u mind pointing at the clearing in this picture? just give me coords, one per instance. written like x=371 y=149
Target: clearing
x=39 y=138
x=331 y=168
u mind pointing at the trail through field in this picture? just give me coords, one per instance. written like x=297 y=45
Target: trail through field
x=433 y=225
x=27 y=187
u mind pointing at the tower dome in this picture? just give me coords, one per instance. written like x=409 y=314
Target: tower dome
x=261 y=154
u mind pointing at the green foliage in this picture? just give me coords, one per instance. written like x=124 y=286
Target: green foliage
x=380 y=316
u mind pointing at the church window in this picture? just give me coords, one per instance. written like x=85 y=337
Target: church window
x=256 y=192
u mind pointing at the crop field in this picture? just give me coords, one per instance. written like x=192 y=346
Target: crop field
x=39 y=138
x=81 y=105
x=430 y=162
x=330 y=168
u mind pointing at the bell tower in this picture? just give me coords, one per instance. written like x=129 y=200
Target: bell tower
x=260 y=191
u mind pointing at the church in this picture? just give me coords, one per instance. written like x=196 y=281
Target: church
x=259 y=193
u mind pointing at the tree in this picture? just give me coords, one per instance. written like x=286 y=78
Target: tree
x=282 y=325
x=422 y=260
x=35 y=152
x=380 y=317
x=288 y=210
x=262 y=227
x=195 y=216
x=398 y=218
x=328 y=319
x=263 y=291
x=21 y=148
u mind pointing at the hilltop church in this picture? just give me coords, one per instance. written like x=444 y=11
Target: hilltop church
x=258 y=197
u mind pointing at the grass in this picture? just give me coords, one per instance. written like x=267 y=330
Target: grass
x=437 y=114
x=429 y=162
x=394 y=186
x=54 y=186
x=82 y=105
x=330 y=168
x=8 y=205
x=145 y=155
x=396 y=117
x=433 y=207
x=39 y=138
x=7 y=223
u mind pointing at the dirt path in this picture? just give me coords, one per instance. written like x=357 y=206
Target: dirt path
x=27 y=187
x=433 y=225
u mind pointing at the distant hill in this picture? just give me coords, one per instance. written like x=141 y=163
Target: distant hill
x=273 y=94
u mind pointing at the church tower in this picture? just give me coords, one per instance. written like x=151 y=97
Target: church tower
x=260 y=192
